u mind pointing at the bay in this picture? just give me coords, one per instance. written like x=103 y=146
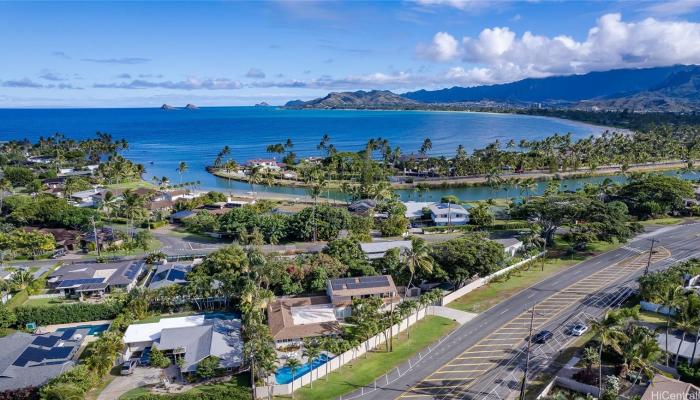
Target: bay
x=161 y=139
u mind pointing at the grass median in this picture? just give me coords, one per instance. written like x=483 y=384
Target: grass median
x=495 y=292
x=364 y=371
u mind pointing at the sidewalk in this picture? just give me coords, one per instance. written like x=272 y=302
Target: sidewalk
x=461 y=317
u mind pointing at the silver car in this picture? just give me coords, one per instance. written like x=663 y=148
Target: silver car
x=128 y=366
x=578 y=329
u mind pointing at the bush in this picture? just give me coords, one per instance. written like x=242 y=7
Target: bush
x=28 y=393
x=67 y=313
x=154 y=224
x=158 y=359
x=689 y=373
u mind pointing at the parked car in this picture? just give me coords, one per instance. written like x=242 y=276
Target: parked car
x=58 y=253
x=579 y=329
x=543 y=337
x=128 y=366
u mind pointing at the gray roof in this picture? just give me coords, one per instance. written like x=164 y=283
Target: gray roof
x=29 y=360
x=508 y=242
x=182 y=214
x=95 y=276
x=375 y=250
x=221 y=338
x=436 y=208
x=169 y=274
x=686 y=349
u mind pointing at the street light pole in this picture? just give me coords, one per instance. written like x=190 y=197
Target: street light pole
x=651 y=251
x=527 y=359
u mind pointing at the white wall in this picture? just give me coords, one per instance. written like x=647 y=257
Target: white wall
x=483 y=281
x=340 y=360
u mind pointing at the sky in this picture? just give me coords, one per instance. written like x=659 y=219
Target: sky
x=144 y=54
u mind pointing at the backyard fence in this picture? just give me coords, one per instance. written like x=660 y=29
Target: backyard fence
x=340 y=360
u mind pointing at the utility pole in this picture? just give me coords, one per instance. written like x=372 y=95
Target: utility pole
x=97 y=240
x=544 y=253
x=527 y=359
x=651 y=251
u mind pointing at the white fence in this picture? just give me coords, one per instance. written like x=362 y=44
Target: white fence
x=47 y=296
x=483 y=281
x=340 y=360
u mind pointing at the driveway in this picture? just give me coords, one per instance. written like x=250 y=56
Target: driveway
x=121 y=384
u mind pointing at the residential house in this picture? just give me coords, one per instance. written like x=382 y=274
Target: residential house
x=169 y=274
x=416 y=211
x=342 y=291
x=193 y=338
x=510 y=245
x=362 y=207
x=95 y=279
x=293 y=319
x=174 y=194
x=375 y=250
x=268 y=164
x=665 y=388
x=32 y=360
x=105 y=237
x=66 y=239
x=448 y=214
x=85 y=198
x=181 y=216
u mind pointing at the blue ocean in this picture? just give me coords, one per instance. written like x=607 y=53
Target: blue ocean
x=161 y=139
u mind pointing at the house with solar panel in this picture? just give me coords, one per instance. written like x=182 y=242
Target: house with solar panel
x=292 y=319
x=95 y=279
x=32 y=360
x=170 y=274
x=342 y=291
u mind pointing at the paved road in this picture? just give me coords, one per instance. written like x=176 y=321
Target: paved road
x=483 y=359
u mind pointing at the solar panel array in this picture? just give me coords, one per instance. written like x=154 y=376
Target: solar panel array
x=133 y=270
x=45 y=341
x=39 y=355
x=176 y=275
x=76 y=282
x=363 y=282
x=68 y=333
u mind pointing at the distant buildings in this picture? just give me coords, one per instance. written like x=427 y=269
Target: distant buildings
x=32 y=360
x=95 y=279
x=193 y=338
x=439 y=214
x=268 y=164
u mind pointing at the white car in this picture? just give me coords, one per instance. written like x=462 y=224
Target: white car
x=578 y=329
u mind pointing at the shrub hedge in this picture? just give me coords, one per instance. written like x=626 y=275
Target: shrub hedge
x=28 y=393
x=67 y=313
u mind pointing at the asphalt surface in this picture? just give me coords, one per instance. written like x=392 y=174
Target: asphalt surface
x=485 y=358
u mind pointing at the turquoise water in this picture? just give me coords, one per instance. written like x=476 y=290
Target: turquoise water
x=284 y=374
x=95 y=330
x=161 y=139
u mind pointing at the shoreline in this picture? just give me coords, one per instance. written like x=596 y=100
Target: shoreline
x=481 y=180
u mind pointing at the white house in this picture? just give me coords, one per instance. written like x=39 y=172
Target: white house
x=374 y=250
x=448 y=214
x=270 y=164
x=510 y=246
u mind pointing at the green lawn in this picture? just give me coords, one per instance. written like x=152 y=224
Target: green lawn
x=131 y=185
x=47 y=302
x=661 y=221
x=487 y=296
x=363 y=371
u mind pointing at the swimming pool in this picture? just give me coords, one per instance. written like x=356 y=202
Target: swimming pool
x=95 y=330
x=284 y=374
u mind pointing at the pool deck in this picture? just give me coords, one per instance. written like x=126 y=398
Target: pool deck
x=54 y=328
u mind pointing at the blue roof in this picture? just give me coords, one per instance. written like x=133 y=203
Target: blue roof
x=77 y=282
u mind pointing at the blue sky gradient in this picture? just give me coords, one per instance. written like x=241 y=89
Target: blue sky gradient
x=133 y=54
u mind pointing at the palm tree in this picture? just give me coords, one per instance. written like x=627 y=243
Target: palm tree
x=311 y=352
x=22 y=279
x=181 y=169
x=608 y=333
x=686 y=320
x=293 y=364
x=426 y=146
x=254 y=178
x=133 y=207
x=418 y=258
x=670 y=300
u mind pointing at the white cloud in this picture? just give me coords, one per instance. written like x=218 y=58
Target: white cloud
x=673 y=8
x=458 y=4
x=444 y=47
x=498 y=54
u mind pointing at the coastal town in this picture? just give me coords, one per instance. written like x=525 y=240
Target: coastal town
x=117 y=287
x=350 y=200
